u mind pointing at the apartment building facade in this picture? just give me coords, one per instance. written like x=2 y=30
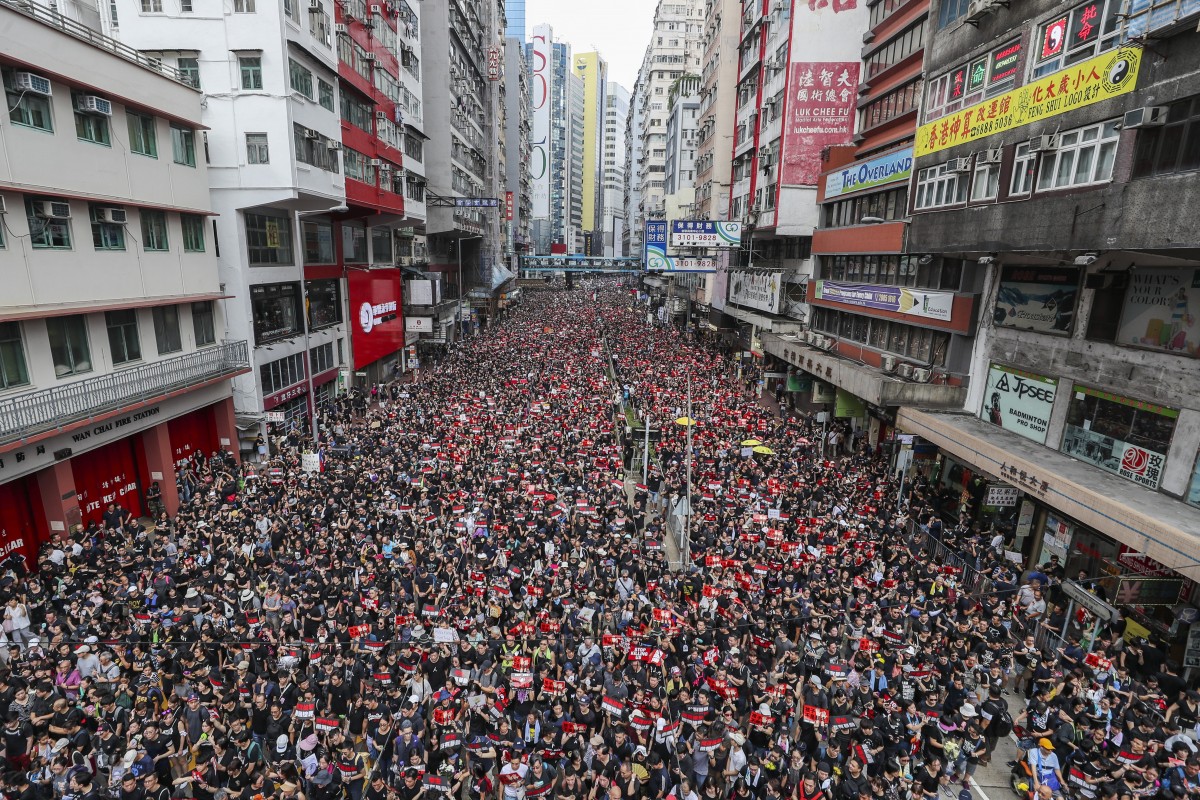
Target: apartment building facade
x=718 y=92
x=116 y=350
x=612 y=224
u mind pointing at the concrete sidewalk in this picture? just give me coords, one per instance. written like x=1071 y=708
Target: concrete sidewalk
x=992 y=782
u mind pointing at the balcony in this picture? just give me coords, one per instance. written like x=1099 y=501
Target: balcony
x=58 y=407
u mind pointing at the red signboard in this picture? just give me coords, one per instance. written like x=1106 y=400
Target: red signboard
x=820 y=112
x=508 y=206
x=1053 y=38
x=376 y=324
x=493 y=63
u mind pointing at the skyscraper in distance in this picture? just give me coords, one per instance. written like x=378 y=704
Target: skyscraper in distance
x=593 y=71
x=514 y=15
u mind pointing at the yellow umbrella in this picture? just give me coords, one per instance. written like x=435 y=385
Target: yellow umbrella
x=685 y=421
x=764 y=450
x=751 y=443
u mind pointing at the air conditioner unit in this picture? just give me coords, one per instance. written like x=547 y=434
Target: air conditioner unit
x=341 y=29
x=31 y=82
x=922 y=375
x=958 y=165
x=905 y=370
x=381 y=116
x=377 y=9
x=314 y=5
x=977 y=10
x=889 y=363
x=333 y=146
x=1145 y=117
x=51 y=209
x=993 y=155
x=91 y=104
x=116 y=216
x=376 y=162
x=368 y=56
x=1043 y=144
x=309 y=133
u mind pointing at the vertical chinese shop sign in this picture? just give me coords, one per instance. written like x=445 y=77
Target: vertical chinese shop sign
x=820 y=113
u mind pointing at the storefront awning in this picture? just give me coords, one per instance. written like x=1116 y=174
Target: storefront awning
x=765 y=322
x=1167 y=530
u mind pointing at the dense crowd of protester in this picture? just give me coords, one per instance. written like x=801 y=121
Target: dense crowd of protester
x=472 y=599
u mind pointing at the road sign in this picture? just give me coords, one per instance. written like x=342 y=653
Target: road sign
x=580 y=262
x=1088 y=600
x=276 y=416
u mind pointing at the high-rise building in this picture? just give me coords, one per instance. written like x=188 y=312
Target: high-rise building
x=575 y=139
x=116 y=354
x=556 y=97
x=593 y=70
x=1073 y=224
x=718 y=103
x=679 y=170
x=518 y=203
x=613 y=169
x=514 y=12
x=674 y=51
x=632 y=236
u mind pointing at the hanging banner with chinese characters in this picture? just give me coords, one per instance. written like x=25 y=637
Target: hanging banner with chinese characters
x=1110 y=75
x=820 y=112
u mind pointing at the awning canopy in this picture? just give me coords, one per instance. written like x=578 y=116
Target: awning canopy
x=1165 y=529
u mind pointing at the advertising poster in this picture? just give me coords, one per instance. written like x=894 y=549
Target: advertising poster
x=1019 y=401
x=376 y=325
x=539 y=103
x=654 y=246
x=881 y=171
x=760 y=291
x=820 y=112
x=691 y=233
x=846 y=405
x=1037 y=298
x=1107 y=76
x=898 y=299
x=1098 y=427
x=1160 y=311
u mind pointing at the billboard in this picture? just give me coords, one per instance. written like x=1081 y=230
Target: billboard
x=691 y=233
x=819 y=112
x=897 y=299
x=1160 y=310
x=1037 y=298
x=1019 y=401
x=762 y=291
x=376 y=325
x=1102 y=78
x=1122 y=435
x=539 y=104
x=890 y=168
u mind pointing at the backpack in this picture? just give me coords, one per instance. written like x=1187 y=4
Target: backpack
x=1002 y=724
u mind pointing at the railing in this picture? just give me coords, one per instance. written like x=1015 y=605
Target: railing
x=69 y=26
x=47 y=409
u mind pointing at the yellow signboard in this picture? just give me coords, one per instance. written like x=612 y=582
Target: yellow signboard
x=1101 y=78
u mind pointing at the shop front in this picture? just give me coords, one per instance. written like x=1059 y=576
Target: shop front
x=377 y=326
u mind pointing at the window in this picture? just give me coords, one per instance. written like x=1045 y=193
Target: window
x=318 y=243
x=313 y=149
x=166 y=329
x=243 y=6
x=354 y=244
x=320 y=358
x=189 y=69
x=152 y=6
x=275 y=308
x=1024 y=163
x=899 y=48
x=143 y=138
x=324 y=303
x=193 y=232
x=257 y=151
x=1122 y=435
x=46 y=232
x=69 y=345
x=281 y=374
x=251 y=69
x=185 y=6
x=26 y=108
x=891 y=105
x=937 y=186
x=183 y=145
x=325 y=94
x=1084 y=156
x=1174 y=147
x=123 y=340
x=203 y=323
x=300 y=78
x=268 y=239
x=951 y=11
x=105 y=235
x=985 y=185
x=381 y=245
x=358 y=166
x=888 y=205
x=1075 y=36
x=357 y=112
x=971 y=82
x=90 y=127
x=154 y=230
x=13 y=370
